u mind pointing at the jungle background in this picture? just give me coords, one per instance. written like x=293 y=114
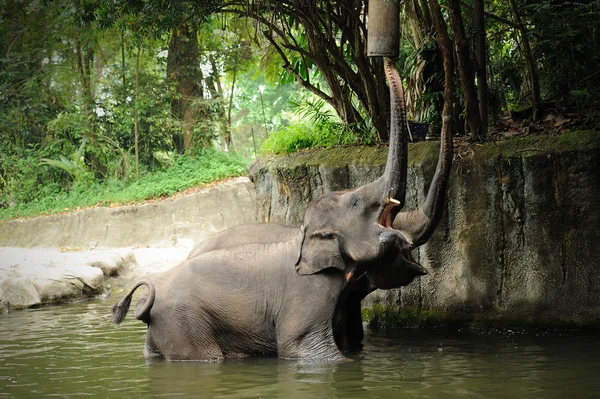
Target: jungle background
x=109 y=102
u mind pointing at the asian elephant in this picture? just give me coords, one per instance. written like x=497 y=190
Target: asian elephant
x=267 y=297
x=347 y=321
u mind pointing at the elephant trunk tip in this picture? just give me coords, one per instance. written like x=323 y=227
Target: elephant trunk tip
x=119 y=310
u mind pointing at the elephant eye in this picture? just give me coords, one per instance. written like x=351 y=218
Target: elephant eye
x=323 y=235
x=355 y=202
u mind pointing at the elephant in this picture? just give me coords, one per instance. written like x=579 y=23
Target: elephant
x=347 y=323
x=283 y=297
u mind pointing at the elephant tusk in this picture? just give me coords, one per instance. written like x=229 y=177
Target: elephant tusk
x=391 y=200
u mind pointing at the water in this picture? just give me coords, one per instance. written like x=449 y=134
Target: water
x=74 y=351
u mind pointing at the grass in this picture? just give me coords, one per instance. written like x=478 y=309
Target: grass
x=184 y=173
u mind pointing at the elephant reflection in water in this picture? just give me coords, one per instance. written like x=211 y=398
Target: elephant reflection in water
x=295 y=292
x=259 y=377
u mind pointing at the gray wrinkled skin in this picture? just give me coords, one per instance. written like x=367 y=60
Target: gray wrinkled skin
x=347 y=320
x=264 y=310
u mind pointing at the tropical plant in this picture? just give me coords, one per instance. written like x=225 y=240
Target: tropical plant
x=74 y=166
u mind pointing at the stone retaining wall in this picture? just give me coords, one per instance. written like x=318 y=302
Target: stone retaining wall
x=162 y=223
x=519 y=241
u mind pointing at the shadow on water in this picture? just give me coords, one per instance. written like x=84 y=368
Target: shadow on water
x=74 y=351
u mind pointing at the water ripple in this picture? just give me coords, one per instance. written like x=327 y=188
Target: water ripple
x=74 y=351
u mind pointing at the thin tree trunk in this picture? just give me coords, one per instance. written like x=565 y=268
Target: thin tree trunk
x=136 y=125
x=215 y=88
x=465 y=68
x=536 y=100
x=502 y=85
x=446 y=47
x=253 y=140
x=183 y=67
x=124 y=74
x=83 y=68
x=427 y=18
x=233 y=81
x=262 y=105
x=480 y=52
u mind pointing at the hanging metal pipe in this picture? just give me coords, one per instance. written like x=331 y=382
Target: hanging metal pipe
x=383 y=39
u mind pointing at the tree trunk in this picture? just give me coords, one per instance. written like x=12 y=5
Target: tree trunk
x=480 y=52
x=536 y=99
x=136 y=125
x=446 y=47
x=213 y=83
x=84 y=60
x=465 y=69
x=423 y=76
x=183 y=67
x=233 y=82
x=123 y=69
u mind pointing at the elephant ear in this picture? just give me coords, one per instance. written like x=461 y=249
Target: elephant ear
x=320 y=250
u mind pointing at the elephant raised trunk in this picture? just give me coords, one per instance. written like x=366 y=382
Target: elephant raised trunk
x=394 y=176
x=331 y=232
x=417 y=226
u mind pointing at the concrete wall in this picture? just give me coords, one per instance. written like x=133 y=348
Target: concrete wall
x=519 y=241
x=163 y=223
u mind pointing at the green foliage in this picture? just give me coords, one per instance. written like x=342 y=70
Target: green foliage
x=300 y=136
x=68 y=77
x=566 y=44
x=23 y=178
x=75 y=166
x=325 y=129
x=314 y=109
x=290 y=139
x=31 y=198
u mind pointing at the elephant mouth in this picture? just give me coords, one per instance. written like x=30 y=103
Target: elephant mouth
x=391 y=209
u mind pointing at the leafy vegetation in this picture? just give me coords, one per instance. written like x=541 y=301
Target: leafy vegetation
x=184 y=172
x=300 y=136
x=97 y=97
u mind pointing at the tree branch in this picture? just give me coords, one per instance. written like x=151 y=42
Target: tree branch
x=493 y=16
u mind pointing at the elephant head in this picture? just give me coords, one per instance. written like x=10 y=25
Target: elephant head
x=364 y=227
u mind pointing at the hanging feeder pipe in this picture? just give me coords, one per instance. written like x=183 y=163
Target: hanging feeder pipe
x=383 y=36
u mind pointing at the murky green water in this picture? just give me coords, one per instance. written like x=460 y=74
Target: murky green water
x=73 y=351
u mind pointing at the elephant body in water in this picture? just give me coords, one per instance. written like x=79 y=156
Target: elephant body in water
x=287 y=296
x=347 y=320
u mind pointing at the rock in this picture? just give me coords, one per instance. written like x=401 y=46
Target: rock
x=68 y=283
x=34 y=277
x=40 y=274
x=20 y=293
x=115 y=265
